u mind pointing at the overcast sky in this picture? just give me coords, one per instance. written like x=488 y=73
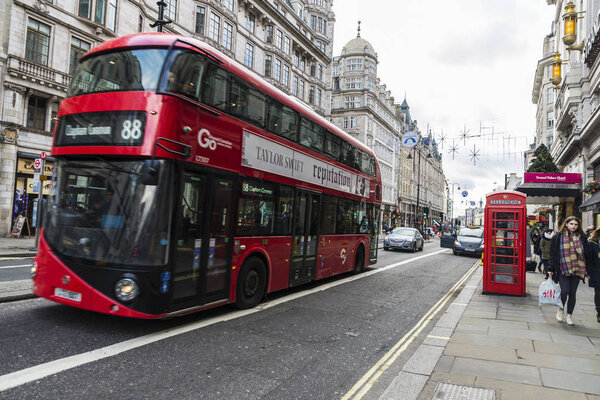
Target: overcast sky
x=460 y=63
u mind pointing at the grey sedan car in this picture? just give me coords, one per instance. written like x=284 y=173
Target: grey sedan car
x=403 y=238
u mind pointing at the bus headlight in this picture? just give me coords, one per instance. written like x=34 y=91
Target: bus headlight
x=126 y=289
x=456 y=243
x=33 y=270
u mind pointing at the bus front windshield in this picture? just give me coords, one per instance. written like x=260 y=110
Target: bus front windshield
x=137 y=69
x=103 y=211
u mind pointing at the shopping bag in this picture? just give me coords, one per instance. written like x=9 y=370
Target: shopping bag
x=550 y=293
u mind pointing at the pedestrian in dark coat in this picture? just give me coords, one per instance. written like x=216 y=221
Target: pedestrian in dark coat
x=567 y=264
x=544 y=245
x=592 y=256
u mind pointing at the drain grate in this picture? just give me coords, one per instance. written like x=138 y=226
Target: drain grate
x=448 y=391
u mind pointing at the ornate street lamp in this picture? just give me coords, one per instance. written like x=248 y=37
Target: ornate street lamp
x=570 y=28
x=556 y=70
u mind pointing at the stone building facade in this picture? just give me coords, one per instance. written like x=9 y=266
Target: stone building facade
x=365 y=108
x=289 y=42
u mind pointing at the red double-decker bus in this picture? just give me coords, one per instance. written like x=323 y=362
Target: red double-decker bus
x=183 y=181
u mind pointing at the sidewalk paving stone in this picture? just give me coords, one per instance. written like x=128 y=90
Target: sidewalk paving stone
x=516 y=391
x=487 y=340
x=497 y=370
x=570 y=380
x=556 y=361
x=481 y=352
x=570 y=350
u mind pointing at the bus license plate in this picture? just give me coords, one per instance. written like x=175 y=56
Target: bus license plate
x=67 y=294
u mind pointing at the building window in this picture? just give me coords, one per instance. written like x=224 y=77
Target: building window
x=269 y=37
x=78 y=48
x=311 y=95
x=286 y=75
x=318 y=98
x=249 y=58
x=277 y=69
x=303 y=64
x=550 y=95
x=345 y=123
x=295 y=85
x=313 y=22
x=228 y=4
x=352 y=101
x=213 y=27
x=251 y=22
x=354 y=64
x=353 y=83
x=352 y=122
x=550 y=119
x=321 y=45
x=227 y=35
x=268 y=61
x=279 y=40
x=320 y=72
x=313 y=68
x=38 y=39
x=170 y=9
x=301 y=90
x=85 y=9
x=287 y=45
x=200 y=19
x=296 y=58
x=36 y=112
x=335 y=71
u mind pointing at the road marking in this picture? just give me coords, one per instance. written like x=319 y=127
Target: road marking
x=368 y=380
x=14 y=258
x=16 y=266
x=40 y=371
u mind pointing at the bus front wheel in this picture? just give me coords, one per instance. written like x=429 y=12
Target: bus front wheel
x=359 y=260
x=251 y=283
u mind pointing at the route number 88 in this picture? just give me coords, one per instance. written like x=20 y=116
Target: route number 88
x=131 y=130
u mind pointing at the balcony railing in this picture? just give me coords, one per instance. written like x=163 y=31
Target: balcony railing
x=28 y=69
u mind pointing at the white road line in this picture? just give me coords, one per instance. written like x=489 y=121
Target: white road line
x=40 y=371
x=16 y=266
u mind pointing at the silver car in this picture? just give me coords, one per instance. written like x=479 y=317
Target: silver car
x=403 y=238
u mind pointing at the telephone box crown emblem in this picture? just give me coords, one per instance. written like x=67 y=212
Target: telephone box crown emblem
x=505 y=196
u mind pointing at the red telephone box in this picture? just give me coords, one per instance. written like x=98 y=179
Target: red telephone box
x=505 y=239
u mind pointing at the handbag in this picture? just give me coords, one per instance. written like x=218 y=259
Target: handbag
x=549 y=293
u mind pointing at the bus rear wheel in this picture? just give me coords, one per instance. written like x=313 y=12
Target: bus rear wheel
x=359 y=260
x=251 y=283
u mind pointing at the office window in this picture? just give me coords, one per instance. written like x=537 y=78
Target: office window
x=85 y=9
x=352 y=122
x=286 y=75
x=251 y=22
x=354 y=64
x=287 y=45
x=301 y=90
x=228 y=4
x=37 y=44
x=303 y=64
x=213 y=27
x=313 y=68
x=352 y=102
x=318 y=98
x=320 y=72
x=296 y=58
x=269 y=34
x=550 y=116
x=36 y=112
x=249 y=57
x=279 y=39
x=550 y=95
x=227 y=35
x=78 y=48
x=311 y=95
x=268 y=61
x=170 y=10
x=277 y=69
x=295 y=85
x=200 y=19
x=313 y=22
x=345 y=123
x=353 y=83
x=105 y=11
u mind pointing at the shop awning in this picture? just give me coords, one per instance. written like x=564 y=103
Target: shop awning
x=549 y=193
x=591 y=204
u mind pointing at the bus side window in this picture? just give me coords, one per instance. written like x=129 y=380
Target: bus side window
x=328 y=215
x=332 y=145
x=311 y=135
x=215 y=88
x=283 y=222
x=275 y=117
x=257 y=102
x=289 y=124
x=239 y=99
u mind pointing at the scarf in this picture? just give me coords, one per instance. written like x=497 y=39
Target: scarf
x=548 y=235
x=571 y=256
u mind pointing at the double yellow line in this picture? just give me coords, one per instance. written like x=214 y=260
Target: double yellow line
x=368 y=380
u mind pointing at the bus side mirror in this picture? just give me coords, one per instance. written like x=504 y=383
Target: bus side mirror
x=150 y=172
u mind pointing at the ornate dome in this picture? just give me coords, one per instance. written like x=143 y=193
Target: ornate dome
x=359 y=45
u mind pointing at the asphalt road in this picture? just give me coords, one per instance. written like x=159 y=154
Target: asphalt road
x=312 y=347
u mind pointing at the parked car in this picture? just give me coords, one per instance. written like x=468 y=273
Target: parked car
x=469 y=240
x=404 y=238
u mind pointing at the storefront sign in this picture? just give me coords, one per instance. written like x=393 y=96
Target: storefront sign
x=505 y=201
x=25 y=166
x=265 y=155
x=31 y=187
x=542 y=177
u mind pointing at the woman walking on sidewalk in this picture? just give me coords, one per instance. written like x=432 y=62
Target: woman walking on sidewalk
x=567 y=264
x=592 y=258
x=545 y=241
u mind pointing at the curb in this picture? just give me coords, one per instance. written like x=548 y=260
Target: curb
x=28 y=254
x=25 y=295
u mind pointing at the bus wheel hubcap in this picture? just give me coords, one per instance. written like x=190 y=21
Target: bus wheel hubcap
x=251 y=284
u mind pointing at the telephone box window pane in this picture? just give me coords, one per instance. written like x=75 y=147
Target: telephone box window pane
x=503 y=278
x=504 y=269
x=509 y=216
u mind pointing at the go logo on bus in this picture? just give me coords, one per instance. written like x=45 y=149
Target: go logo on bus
x=131 y=130
x=206 y=140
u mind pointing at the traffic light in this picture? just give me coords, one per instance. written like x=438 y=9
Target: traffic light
x=425 y=211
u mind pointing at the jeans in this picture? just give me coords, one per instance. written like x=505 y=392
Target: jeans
x=597 y=299
x=568 y=289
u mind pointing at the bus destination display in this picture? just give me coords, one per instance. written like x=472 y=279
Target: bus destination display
x=115 y=128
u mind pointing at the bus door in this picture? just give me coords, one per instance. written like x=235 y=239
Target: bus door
x=305 y=237
x=203 y=240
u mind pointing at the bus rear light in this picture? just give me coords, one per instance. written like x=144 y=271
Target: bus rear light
x=126 y=289
x=114 y=308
